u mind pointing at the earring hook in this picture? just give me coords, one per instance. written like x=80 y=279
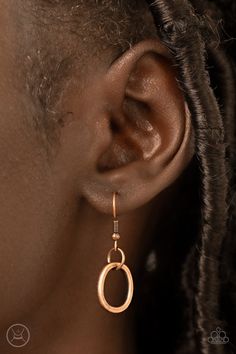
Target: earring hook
x=114 y=205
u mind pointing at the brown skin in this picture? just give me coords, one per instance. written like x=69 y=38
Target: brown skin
x=55 y=219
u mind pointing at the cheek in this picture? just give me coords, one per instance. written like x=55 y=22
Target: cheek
x=37 y=206
x=35 y=211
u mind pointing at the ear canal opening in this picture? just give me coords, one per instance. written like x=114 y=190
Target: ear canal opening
x=114 y=126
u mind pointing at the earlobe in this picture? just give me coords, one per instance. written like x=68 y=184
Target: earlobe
x=150 y=127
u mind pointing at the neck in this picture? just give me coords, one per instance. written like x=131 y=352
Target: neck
x=71 y=319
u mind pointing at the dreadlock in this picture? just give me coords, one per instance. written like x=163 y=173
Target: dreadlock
x=192 y=37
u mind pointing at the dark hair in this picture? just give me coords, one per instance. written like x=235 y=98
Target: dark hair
x=202 y=52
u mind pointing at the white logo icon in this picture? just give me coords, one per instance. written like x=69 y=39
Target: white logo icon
x=18 y=335
x=218 y=337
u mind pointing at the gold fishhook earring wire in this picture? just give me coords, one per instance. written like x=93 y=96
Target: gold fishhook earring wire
x=115 y=265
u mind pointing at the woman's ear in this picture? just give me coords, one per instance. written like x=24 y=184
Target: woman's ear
x=146 y=142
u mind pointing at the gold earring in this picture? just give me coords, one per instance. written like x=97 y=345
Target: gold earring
x=117 y=265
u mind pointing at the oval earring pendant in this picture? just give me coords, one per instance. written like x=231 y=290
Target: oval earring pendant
x=101 y=285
